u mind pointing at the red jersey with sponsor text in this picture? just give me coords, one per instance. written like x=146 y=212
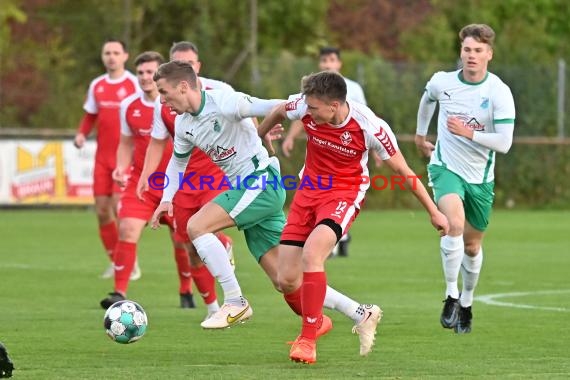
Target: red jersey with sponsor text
x=103 y=99
x=339 y=153
x=138 y=115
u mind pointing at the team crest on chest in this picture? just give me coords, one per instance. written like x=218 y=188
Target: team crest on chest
x=345 y=138
x=121 y=92
x=217 y=126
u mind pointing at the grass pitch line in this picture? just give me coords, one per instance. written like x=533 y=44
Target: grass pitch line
x=492 y=299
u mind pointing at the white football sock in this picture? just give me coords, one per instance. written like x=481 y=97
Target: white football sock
x=451 y=248
x=337 y=301
x=213 y=307
x=214 y=255
x=470 y=269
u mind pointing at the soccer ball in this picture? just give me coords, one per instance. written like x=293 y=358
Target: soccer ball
x=125 y=321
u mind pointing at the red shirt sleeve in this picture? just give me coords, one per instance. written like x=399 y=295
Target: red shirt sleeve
x=87 y=123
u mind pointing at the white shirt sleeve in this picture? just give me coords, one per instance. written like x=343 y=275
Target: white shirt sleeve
x=380 y=137
x=503 y=121
x=159 y=130
x=354 y=91
x=238 y=106
x=500 y=141
x=425 y=113
x=296 y=107
x=90 y=105
x=125 y=129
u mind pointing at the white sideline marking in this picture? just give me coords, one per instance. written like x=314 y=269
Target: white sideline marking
x=491 y=299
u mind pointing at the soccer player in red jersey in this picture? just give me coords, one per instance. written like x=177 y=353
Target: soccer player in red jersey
x=340 y=135
x=102 y=109
x=187 y=201
x=136 y=124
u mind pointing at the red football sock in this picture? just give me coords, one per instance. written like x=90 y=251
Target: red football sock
x=109 y=235
x=293 y=299
x=125 y=255
x=313 y=293
x=225 y=239
x=205 y=282
x=184 y=271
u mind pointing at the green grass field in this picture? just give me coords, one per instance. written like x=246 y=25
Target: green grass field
x=51 y=322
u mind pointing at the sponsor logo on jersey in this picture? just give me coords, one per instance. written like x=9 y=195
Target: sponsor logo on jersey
x=345 y=138
x=384 y=139
x=474 y=125
x=332 y=146
x=221 y=154
x=292 y=105
x=137 y=112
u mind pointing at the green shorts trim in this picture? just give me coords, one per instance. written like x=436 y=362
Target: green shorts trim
x=477 y=198
x=257 y=209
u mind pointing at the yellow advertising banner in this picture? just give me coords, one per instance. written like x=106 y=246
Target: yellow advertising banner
x=45 y=172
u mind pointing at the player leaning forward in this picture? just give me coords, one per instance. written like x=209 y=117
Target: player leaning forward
x=339 y=136
x=476 y=119
x=219 y=123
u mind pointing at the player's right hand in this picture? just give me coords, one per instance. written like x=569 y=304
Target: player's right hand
x=142 y=186
x=164 y=207
x=287 y=146
x=440 y=222
x=79 y=140
x=119 y=177
x=425 y=147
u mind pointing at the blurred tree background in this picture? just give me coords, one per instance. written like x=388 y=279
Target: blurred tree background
x=50 y=51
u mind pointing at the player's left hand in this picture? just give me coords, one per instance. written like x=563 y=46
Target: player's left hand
x=164 y=207
x=274 y=133
x=440 y=222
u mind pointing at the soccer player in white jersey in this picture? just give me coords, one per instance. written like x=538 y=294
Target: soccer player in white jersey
x=188 y=201
x=476 y=119
x=340 y=134
x=218 y=122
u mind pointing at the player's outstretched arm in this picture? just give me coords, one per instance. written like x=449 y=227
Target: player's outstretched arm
x=412 y=182
x=275 y=116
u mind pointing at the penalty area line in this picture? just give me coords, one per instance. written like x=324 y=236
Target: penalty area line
x=493 y=299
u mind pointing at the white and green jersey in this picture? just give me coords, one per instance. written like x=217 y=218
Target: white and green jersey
x=222 y=130
x=481 y=106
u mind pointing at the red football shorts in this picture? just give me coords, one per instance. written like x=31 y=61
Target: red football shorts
x=310 y=207
x=130 y=206
x=103 y=184
x=186 y=204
